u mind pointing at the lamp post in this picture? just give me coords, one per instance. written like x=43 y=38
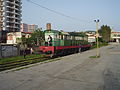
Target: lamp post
x=97 y=21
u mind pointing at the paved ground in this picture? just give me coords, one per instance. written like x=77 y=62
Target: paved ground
x=73 y=72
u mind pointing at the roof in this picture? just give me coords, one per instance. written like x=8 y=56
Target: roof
x=27 y=32
x=65 y=33
x=115 y=32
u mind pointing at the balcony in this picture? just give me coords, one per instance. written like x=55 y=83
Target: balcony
x=10 y=20
x=1 y=5
x=18 y=2
x=1 y=22
x=10 y=12
x=10 y=7
x=1 y=16
x=16 y=27
x=1 y=10
x=11 y=2
x=13 y=26
x=17 y=23
x=8 y=16
x=8 y=26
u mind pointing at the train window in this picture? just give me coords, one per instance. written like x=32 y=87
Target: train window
x=62 y=37
x=65 y=37
x=58 y=36
x=69 y=37
x=55 y=36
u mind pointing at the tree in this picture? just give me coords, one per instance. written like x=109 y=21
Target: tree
x=105 y=32
x=36 y=38
x=22 y=42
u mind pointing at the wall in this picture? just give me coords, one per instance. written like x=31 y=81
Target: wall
x=9 y=50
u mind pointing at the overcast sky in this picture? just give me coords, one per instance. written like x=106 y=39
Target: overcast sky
x=81 y=14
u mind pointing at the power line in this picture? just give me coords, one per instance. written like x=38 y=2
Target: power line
x=56 y=12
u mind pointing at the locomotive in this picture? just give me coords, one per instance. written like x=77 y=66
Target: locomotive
x=61 y=43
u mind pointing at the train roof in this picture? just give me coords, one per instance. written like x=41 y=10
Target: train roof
x=56 y=31
x=66 y=33
x=52 y=31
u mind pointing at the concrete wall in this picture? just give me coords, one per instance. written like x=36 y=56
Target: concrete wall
x=9 y=50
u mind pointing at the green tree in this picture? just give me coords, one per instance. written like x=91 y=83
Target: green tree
x=36 y=38
x=105 y=32
x=22 y=42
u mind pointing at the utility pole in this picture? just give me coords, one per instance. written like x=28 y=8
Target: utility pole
x=37 y=41
x=97 y=21
x=37 y=37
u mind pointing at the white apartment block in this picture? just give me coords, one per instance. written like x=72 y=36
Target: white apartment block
x=10 y=15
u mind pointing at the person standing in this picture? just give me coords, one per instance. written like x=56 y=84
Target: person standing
x=24 y=53
x=31 y=50
x=49 y=40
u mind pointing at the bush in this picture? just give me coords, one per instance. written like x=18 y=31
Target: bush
x=100 y=45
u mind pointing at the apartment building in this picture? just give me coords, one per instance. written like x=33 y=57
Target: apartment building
x=24 y=27
x=10 y=15
x=32 y=27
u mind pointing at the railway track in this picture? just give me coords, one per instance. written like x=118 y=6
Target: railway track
x=19 y=63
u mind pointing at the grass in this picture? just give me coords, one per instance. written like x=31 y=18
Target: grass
x=16 y=58
x=24 y=67
x=100 y=45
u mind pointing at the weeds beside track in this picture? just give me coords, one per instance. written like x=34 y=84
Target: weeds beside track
x=19 y=63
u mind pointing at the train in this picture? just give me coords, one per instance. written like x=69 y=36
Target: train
x=61 y=43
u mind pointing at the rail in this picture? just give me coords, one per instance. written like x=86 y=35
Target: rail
x=19 y=63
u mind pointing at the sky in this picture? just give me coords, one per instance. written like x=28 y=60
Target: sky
x=81 y=14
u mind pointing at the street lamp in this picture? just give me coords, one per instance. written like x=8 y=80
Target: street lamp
x=97 y=21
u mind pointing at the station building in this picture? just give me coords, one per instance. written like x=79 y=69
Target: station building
x=115 y=37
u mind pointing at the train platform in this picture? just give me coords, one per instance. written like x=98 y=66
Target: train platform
x=72 y=72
